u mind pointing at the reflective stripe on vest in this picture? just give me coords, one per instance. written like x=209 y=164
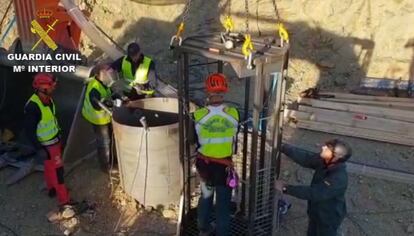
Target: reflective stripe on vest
x=216 y=130
x=47 y=128
x=141 y=74
x=215 y=140
x=96 y=117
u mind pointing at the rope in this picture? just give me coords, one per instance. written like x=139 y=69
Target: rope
x=112 y=163
x=283 y=33
x=228 y=22
x=186 y=10
x=246 y=8
x=181 y=26
x=276 y=10
x=257 y=17
x=247 y=48
x=132 y=184
x=146 y=166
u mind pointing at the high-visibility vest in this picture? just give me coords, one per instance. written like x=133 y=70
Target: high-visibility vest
x=48 y=127
x=216 y=128
x=96 y=117
x=141 y=74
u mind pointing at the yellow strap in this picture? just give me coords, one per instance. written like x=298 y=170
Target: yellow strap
x=180 y=29
x=228 y=24
x=283 y=33
x=247 y=45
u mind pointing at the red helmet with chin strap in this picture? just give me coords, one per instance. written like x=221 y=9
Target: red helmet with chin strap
x=216 y=83
x=44 y=81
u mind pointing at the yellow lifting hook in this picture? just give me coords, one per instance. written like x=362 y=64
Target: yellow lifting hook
x=283 y=33
x=177 y=36
x=247 y=49
x=228 y=24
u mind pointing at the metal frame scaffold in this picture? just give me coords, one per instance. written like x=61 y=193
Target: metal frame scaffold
x=261 y=132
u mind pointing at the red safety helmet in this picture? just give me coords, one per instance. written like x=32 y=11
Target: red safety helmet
x=43 y=81
x=216 y=83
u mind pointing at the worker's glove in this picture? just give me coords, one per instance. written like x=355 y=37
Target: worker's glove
x=143 y=89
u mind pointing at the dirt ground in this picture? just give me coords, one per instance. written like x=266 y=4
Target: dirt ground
x=24 y=207
x=376 y=207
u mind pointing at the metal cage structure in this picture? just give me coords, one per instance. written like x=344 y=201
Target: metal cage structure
x=258 y=164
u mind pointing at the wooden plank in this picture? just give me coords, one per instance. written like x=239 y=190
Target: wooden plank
x=376 y=135
x=383 y=83
x=387 y=113
x=299 y=115
x=367 y=97
x=356 y=132
x=380 y=173
x=363 y=131
x=359 y=120
x=395 y=105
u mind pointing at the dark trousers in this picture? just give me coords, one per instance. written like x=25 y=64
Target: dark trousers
x=316 y=228
x=103 y=134
x=222 y=209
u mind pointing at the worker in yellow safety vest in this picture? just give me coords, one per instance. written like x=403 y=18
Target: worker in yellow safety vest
x=42 y=129
x=138 y=71
x=98 y=92
x=216 y=126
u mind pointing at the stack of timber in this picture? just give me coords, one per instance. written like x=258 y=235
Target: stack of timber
x=386 y=119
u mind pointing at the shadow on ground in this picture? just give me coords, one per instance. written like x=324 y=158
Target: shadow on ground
x=338 y=67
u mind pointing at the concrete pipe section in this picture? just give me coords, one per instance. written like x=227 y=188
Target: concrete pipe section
x=150 y=167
